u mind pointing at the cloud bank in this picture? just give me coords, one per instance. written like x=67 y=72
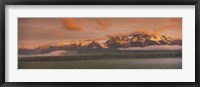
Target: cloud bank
x=154 y=47
x=70 y=24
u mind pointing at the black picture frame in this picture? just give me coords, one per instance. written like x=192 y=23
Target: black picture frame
x=99 y=2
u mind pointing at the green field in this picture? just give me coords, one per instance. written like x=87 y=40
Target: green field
x=158 y=63
x=106 y=60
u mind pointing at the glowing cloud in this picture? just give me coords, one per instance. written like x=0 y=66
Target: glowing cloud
x=157 y=32
x=70 y=24
x=102 y=24
x=118 y=34
x=142 y=31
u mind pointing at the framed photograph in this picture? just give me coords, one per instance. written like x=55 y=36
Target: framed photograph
x=100 y=43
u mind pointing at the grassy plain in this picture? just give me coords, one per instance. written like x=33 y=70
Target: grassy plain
x=106 y=60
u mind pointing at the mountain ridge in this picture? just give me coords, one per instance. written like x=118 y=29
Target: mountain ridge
x=114 y=42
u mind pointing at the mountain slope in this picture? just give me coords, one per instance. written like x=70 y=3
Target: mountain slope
x=114 y=42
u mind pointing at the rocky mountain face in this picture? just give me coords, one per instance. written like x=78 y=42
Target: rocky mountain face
x=140 y=40
x=114 y=42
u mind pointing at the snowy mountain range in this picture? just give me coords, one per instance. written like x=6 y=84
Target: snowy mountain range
x=114 y=42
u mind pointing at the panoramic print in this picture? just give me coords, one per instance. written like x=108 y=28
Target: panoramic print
x=100 y=43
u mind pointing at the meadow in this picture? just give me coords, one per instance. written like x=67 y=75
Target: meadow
x=106 y=60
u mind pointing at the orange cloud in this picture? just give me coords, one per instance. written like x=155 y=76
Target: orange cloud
x=142 y=31
x=70 y=24
x=102 y=23
x=118 y=34
x=176 y=23
x=157 y=32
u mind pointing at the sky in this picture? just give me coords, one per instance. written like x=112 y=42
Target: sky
x=33 y=32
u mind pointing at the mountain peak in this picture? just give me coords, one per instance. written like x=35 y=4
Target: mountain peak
x=114 y=42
